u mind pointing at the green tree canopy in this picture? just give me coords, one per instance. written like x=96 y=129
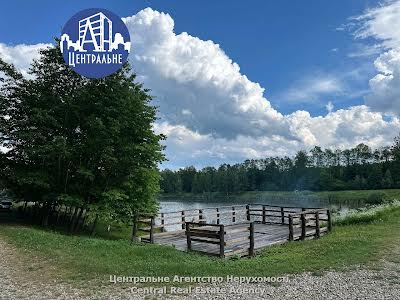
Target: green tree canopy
x=78 y=141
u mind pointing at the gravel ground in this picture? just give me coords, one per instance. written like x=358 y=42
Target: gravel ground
x=18 y=281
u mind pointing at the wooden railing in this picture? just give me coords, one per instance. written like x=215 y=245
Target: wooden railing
x=274 y=214
x=312 y=223
x=214 y=234
x=176 y=220
x=221 y=235
x=232 y=228
x=240 y=240
x=267 y=214
x=144 y=223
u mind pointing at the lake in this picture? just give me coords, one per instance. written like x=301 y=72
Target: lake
x=178 y=204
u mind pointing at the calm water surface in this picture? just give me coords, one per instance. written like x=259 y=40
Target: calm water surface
x=178 y=204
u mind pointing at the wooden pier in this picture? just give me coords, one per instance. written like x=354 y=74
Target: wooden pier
x=227 y=231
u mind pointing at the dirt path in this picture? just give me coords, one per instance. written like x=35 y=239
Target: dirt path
x=21 y=281
x=33 y=282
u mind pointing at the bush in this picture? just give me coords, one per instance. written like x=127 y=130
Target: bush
x=366 y=215
x=376 y=198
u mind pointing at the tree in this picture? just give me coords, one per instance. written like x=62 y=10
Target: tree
x=317 y=156
x=301 y=160
x=387 y=181
x=375 y=177
x=395 y=149
x=363 y=153
x=329 y=169
x=395 y=153
x=385 y=154
x=170 y=182
x=187 y=177
x=79 y=142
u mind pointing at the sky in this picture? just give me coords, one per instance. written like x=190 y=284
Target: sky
x=246 y=79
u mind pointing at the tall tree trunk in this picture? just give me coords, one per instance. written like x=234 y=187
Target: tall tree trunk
x=45 y=215
x=59 y=214
x=72 y=220
x=65 y=216
x=93 y=230
x=25 y=205
x=78 y=220
x=72 y=214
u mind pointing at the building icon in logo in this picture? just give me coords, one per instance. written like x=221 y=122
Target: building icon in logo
x=96 y=30
x=94 y=42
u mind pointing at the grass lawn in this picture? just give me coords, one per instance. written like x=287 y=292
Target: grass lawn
x=83 y=258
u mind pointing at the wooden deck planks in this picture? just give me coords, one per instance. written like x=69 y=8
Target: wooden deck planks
x=265 y=235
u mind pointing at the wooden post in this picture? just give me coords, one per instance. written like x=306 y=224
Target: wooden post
x=328 y=212
x=251 y=249
x=221 y=241
x=248 y=212
x=183 y=219
x=317 y=229
x=233 y=215
x=152 y=223
x=290 y=228
x=162 y=222
x=303 y=226
x=264 y=217
x=134 y=226
x=283 y=215
x=200 y=216
x=188 y=238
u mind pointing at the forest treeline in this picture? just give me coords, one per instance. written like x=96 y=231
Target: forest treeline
x=318 y=169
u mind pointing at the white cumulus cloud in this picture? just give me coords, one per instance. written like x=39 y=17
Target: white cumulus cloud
x=212 y=113
x=21 y=55
x=186 y=73
x=385 y=86
x=382 y=24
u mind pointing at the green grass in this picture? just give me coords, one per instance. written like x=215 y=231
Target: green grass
x=84 y=258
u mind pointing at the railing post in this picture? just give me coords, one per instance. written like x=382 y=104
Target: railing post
x=233 y=215
x=162 y=222
x=200 y=215
x=221 y=241
x=264 y=217
x=135 y=227
x=152 y=223
x=328 y=212
x=183 y=219
x=290 y=228
x=251 y=249
x=248 y=212
x=188 y=238
x=218 y=215
x=317 y=228
x=303 y=226
x=283 y=215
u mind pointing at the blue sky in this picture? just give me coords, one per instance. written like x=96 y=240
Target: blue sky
x=310 y=74
x=276 y=43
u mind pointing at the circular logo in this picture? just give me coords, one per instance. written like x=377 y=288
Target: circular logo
x=95 y=43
